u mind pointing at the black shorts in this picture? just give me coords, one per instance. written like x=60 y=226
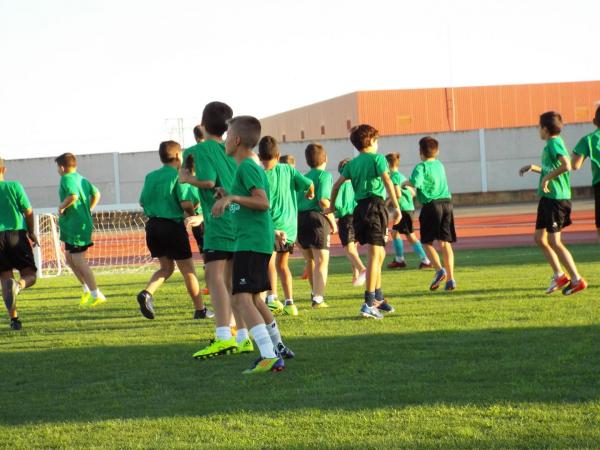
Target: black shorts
x=288 y=247
x=405 y=226
x=216 y=255
x=346 y=229
x=371 y=221
x=198 y=233
x=313 y=230
x=77 y=248
x=553 y=215
x=597 y=201
x=437 y=222
x=167 y=238
x=15 y=251
x=250 y=272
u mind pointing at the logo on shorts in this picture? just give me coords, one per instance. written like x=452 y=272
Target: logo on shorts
x=233 y=208
x=554 y=226
x=243 y=282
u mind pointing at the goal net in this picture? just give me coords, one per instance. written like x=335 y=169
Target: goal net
x=119 y=243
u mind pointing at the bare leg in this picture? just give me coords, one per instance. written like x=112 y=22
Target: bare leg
x=541 y=239
x=263 y=309
x=372 y=269
x=310 y=265
x=245 y=304
x=564 y=255
x=75 y=269
x=433 y=256
x=319 y=276
x=379 y=264
x=188 y=270
x=7 y=275
x=216 y=274
x=354 y=258
x=283 y=270
x=273 y=275
x=161 y=275
x=448 y=255
x=28 y=277
x=80 y=262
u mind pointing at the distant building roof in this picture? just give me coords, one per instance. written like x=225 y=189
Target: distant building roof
x=414 y=111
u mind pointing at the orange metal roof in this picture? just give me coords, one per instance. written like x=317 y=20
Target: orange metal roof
x=413 y=111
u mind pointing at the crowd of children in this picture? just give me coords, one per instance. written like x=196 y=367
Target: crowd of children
x=248 y=211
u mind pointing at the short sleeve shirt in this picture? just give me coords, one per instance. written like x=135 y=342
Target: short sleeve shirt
x=345 y=202
x=162 y=194
x=211 y=163
x=76 y=223
x=13 y=203
x=254 y=230
x=406 y=199
x=429 y=179
x=323 y=182
x=589 y=147
x=365 y=172
x=560 y=187
x=286 y=184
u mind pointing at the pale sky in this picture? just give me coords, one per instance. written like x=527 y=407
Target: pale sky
x=90 y=76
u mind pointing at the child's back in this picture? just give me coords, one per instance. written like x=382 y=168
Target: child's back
x=431 y=180
x=13 y=202
x=323 y=181
x=76 y=223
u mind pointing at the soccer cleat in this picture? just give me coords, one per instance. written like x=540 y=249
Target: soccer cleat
x=558 y=283
x=573 y=288
x=98 y=300
x=15 y=324
x=396 y=265
x=450 y=285
x=318 y=305
x=425 y=265
x=10 y=290
x=203 y=313
x=290 y=310
x=385 y=307
x=284 y=352
x=146 y=302
x=217 y=347
x=440 y=276
x=370 y=312
x=275 y=306
x=85 y=298
x=264 y=365
x=362 y=277
x=245 y=346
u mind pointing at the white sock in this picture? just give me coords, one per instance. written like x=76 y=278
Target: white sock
x=85 y=287
x=223 y=333
x=558 y=274
x=271 y=298
x=289 y=301
x=263 y=340
x=426 y=260
x=97 y=294
x=242 y=335
x=274 y=333
x=399 y=258
x=318 y=299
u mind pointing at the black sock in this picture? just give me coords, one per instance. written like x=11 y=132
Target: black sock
x=379 y=294
x=14 y=319
x=369 y=298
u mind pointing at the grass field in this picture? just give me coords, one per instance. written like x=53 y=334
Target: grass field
x=495 y=364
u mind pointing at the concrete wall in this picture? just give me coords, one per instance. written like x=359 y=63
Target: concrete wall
x=476 y=161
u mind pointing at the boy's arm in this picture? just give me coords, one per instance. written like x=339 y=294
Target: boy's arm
x=257 y=200
x=530 y=168
x=188 y=207
x=389 y=187
x=28 y=213
x=565 y=166
x=577 y=161
x=95 y=200
x=68 y=201
x=186 y=177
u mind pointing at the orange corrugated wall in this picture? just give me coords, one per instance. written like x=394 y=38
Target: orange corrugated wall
x=467 y=108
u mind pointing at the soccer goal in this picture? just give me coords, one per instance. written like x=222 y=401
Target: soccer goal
x=119 y=242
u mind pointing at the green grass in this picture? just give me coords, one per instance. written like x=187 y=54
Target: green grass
x=495 y=364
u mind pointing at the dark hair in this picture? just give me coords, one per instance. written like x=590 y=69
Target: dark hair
x=215 y=116
x=428 y=147
x=342 y=163
x=551 y=121
x=168 y=151
x=66 y=160
x=597 y=117
x=362 y=135
x=315 y=154
x=287 y=159
x=267 y=148
x=189 y=163
x=393 y=158
x=247 y=128
x=198 y=134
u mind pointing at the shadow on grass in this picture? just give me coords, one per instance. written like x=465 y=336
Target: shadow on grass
x=548 y=365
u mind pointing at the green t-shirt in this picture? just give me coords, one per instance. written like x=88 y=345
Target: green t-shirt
x=76 y=223
x=345 y=202
x=212 y=163
x=323 y=182
x=13 y=203
x=286 y=184
x=254 y=230
x=162 y=194
x=406 y=199
x=194 y=197
x=365 y=172
x=560 y=187
x=589 y=147
x=429 y=179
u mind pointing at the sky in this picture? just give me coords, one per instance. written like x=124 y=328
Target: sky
x=91 y=76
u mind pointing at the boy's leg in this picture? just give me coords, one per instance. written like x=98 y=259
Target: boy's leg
x=309 y=266
x=357 y=265
x=433 y=256
x=541 y=239
x=398 y=251
x=319 y=275
x=188 y=270
x=7 y=277
x=272 y=277
x=419 y=250
x=283 y=270
x=564 y=255
x=75 y=270
x=448 y=256
x=245 y=303
x=161 y=275
x=215 y=273
x=80 y=264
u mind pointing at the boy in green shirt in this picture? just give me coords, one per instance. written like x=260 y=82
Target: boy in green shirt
x=78 y=199
x=16 y=229
x=407 y=208
x=214 y=170
x=248 y=203
x=370 y=179
x=436 y=219
x=285 y=185
x=165 y=201
x=344 y=208
x=589 y=147
x=315 y=225
x=554 y=208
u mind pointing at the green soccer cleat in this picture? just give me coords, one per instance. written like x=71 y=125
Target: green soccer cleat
x=264 y=365
x=217 y=347
x=290 y=310
x=275 y=306
x=319 y=305
x=245 y=346
x=101 y=299
x=85 y=298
